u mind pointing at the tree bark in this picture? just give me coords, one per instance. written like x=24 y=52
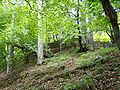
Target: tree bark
x=40 y=43
x=91 y=42
x=10 y=48
x=112 y=16
x=78 y=23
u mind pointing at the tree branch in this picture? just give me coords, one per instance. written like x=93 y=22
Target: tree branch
x=11 y=2
x=22 y=46
x=29 y=4
x=72 y=13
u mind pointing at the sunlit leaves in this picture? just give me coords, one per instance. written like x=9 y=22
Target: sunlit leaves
x=58 y=20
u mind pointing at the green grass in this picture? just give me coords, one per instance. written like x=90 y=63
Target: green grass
x=86 y=59
x=82 y=59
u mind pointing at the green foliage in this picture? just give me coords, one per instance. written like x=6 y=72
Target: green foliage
x=58 y=23
x=67 y=74
x=87 y=59
x=100 y=68
x=84 y=83
x=103 y=51
x=59 y=57
x=22 y=32
x=71 y=86
x=101 y=36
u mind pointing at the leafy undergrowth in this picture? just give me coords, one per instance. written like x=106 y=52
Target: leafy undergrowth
x=93 y=70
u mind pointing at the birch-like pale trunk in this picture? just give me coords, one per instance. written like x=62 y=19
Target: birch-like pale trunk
x=91 y=41
x=85 y=38
x=40 y=43
x=10 y=48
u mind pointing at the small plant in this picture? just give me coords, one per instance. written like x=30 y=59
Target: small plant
x=67 y=74
x=71 y=86
x=86 y=80
x=100 y=69
x=102 y=51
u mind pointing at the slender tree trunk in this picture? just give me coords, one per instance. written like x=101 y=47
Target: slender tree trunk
x=85 y=39
x=78 y=22
x=112 y=15
x=111 y=35
x=46 y=43
x=60 y=44
x=40 y=43
x=10 y=61
x=91 y=39
x=10 y=48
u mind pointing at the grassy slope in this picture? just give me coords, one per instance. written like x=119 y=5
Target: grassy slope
x=94 y=70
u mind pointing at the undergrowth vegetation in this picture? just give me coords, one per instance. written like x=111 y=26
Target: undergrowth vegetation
x=68 y=70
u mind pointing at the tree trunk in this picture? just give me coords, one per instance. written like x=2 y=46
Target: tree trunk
x=10 y=47
x=40 y=43
x=112 y=15
x=85 y=31
x=10 y=61
x=78 y=23
x=91 y=40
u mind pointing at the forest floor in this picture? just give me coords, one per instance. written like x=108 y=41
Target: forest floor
x=68 y=70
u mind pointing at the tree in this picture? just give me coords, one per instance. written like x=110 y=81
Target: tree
x=78 y=22
x=10 y=47
x=40 y=43
x=112 y=15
